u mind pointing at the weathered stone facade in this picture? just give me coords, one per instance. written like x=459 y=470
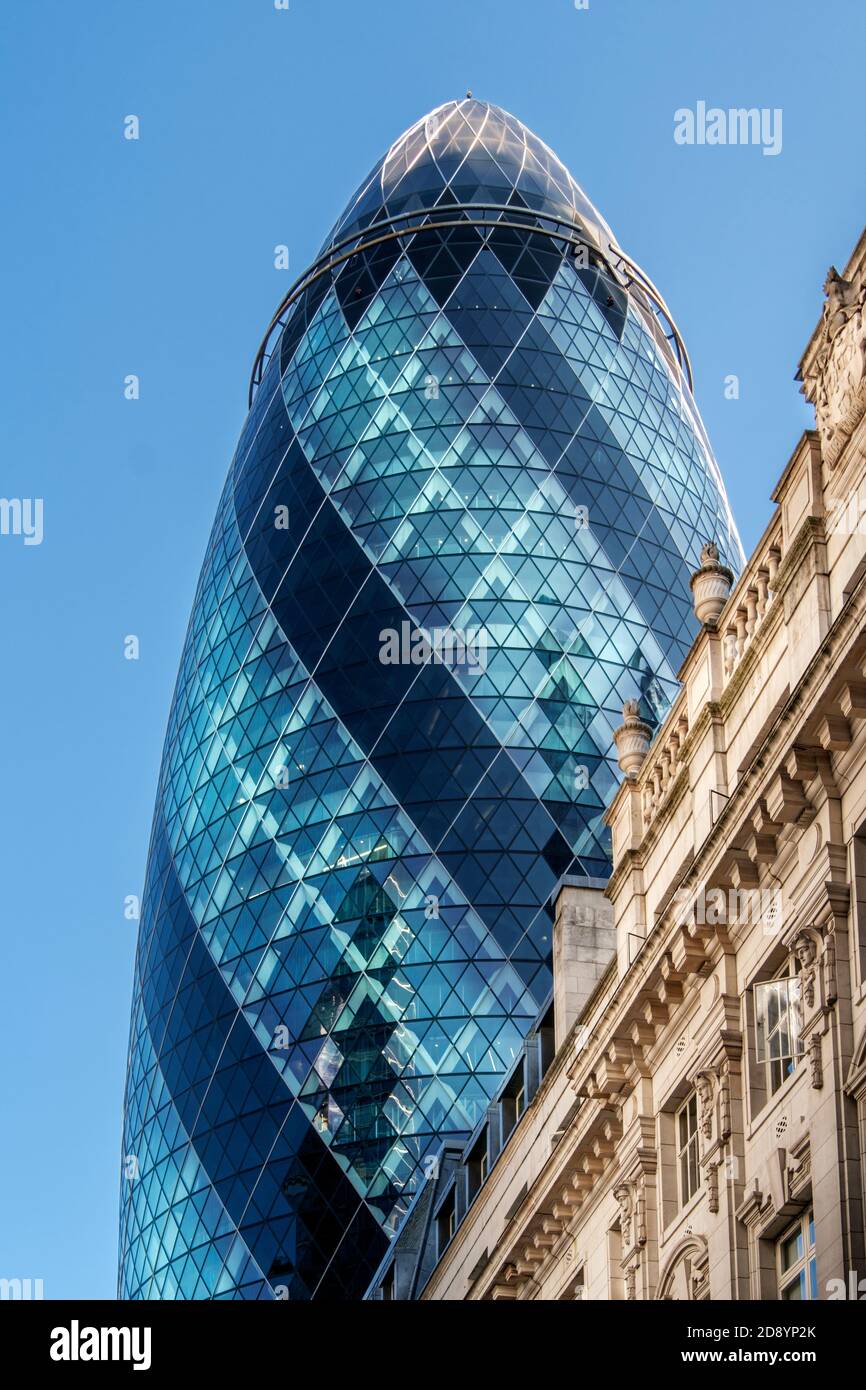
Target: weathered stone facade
x=700 y=1132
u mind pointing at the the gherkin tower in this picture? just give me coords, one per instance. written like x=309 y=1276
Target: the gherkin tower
x=472 y=415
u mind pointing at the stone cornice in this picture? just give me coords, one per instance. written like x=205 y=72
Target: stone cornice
x=845 y=632
x=518 y=1231
x=556 y=1174
x=809 y=535
x=465 y=1230
x=769 y=721
x=809 y=441
x=528 y=1229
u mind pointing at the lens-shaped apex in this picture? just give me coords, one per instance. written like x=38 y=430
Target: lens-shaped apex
x=470 y=152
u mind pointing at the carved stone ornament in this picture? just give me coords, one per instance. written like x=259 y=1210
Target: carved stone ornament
x=632 y=740
x=705 y=1088
x=711 y=585
x=640 y=1216
x=806 y=952
x=799 y=1168
x=622 y=1194
x=816 y=1066
x=725 y=1101
x=829 y=962
x=686 y=1276
x=713 y=1187
x=835 y=381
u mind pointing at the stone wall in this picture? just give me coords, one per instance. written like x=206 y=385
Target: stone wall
x=738 y=860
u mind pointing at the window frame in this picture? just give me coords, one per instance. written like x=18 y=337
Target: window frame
x=446 y=1220
x=477 y=1166
x=483 y=1166
x=519 y=1102
x=778 y=1070
x=803 y=1271
x=684 y=1151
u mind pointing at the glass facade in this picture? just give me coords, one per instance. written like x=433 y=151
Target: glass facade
x=456 y=535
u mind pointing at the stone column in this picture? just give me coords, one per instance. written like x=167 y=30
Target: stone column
x=584 y=943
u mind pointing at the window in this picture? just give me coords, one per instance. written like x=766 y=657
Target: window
x=575 y=1289
x=477 y=1166
x=778 y=1040
x=388 y=1285
x=519 y=1102
x=858 y=883
x=446 y=1222
x=514 y=1098
x=687 y=1149
x=798 y=1276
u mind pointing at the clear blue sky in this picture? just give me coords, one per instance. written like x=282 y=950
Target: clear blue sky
x=156 y=258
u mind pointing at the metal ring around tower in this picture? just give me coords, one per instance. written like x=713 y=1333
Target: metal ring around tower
x=628 y=274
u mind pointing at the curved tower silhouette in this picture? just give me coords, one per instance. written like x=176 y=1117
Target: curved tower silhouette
x=456 y=534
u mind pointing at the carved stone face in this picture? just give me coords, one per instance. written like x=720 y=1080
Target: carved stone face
x=804 y=949
x=623 y=1197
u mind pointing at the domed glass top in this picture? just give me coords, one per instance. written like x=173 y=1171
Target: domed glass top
x=470 y=152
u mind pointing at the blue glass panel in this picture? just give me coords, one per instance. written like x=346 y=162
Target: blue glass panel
x=346 y=926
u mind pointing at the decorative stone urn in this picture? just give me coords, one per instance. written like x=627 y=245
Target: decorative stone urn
x=632 y=739
x=711 y=586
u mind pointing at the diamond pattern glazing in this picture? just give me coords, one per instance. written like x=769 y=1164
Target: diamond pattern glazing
x=345 y=930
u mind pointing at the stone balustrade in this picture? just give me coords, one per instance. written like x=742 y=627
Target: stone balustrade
x=732 y=629
x=749 y=605
x=665 y=760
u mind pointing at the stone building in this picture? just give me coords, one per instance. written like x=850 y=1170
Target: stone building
x=688 y=1119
